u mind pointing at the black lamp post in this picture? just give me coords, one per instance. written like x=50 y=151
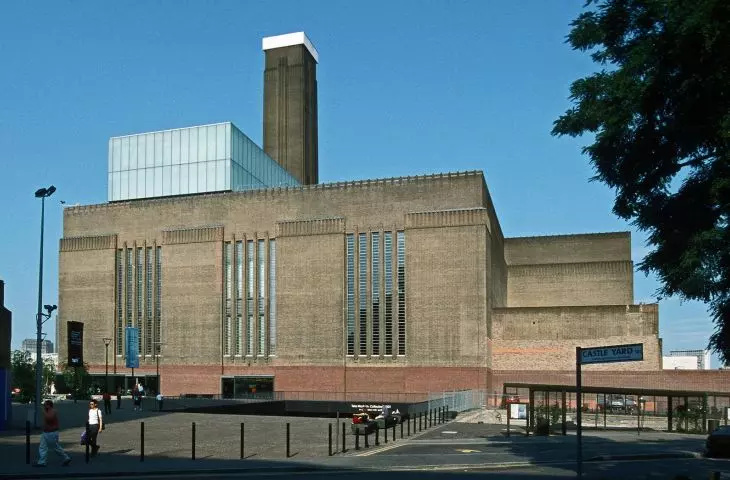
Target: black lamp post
x=157 y=361
x=41 y=193
x=107 y=341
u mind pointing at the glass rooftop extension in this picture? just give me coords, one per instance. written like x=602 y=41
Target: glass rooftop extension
x=208 y=158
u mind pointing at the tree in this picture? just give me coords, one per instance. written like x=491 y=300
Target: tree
x=23 y=375
x=659 y=110
x=75 y=378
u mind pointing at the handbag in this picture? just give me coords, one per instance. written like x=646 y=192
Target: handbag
x=84 y=438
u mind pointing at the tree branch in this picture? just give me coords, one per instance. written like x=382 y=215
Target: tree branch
x=695 y=161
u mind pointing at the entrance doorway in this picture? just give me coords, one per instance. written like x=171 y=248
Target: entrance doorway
x=251 y=386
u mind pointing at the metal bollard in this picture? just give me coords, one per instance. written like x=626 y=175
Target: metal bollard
x=385 y=433
x=401 y=428
x=329 y=441
x=27 y=442
x=367 y=445
x=87 y=442
x=377 y=435
x=141 y=441
x=357 y=439
x=288 y=429
x=409 y=425
x=242 y=441
x=193 y=440
x=343 y=438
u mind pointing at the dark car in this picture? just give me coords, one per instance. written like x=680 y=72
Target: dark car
x=718 y=442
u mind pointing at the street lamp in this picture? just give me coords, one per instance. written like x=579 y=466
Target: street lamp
x=157 y=359
x=107 y=341
x=41 y=193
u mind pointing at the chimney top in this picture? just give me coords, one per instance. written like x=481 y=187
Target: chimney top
x=288 y=40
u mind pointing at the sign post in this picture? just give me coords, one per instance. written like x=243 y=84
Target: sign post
x=585 y=356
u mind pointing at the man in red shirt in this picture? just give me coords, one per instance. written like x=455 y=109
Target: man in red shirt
x=49 y=437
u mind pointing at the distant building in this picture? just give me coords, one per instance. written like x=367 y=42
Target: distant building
x=30 y=344
x=687 y=360
x=48 y=358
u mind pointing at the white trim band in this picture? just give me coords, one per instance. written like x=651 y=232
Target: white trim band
x=289 y=39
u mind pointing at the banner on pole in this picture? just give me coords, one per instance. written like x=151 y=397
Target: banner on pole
x=75 y=338
x=132 y=350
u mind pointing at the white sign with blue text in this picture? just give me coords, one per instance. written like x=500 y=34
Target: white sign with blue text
x=612 y=353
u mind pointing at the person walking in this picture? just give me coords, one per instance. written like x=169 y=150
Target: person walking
x=107 y=402
x=96 y=425
x=119 y=398
x=49 y=437
x=136 y=399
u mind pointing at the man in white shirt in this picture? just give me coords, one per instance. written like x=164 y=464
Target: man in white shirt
x=95 y=425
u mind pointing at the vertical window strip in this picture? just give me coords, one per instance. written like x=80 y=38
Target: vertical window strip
x=272 y=297
x=158 y=295
x=139 y=271
x=148 y=302
x=130 y=286
x=120 y=301
x=375 y=289
x=239 y=298
x=350 y=287
x=363 y=291
x=388 y=264
x=401 y=248
x=249 y=297
x=227 y=292
x=261 y=257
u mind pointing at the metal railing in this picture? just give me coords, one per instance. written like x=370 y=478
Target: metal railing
x=458 y=400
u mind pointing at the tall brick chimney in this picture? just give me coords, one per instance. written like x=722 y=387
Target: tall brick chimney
x=290 y=105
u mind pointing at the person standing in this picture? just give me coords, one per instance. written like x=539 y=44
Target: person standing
x=95 y=424
x=160 y=399
x=119 y=398
x=107 y=402
x=49 y=437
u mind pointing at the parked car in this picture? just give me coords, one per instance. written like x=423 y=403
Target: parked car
x=718 y=442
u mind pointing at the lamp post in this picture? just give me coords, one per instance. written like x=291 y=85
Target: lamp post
x=41 y=193
x=157 y=361
x=107 y=341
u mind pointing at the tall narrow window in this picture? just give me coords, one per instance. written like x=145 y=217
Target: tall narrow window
x=375 y=289
x=148 y=303
x=363 y=291
x=120 y=301
x=388 y=264
x=401 y=246
x=272 y=297
x=239 y=298
x=350 y=247
x=249 y=297
x=158 y=294
x=227 y=289
x=261 y=257
x=130 y=286
x=139 y=273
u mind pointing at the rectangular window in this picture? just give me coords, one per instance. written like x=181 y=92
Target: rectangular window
x=130 y=286
x=158 y=295
x=350 y=292
x=401 y=249
x=388 y=264
x=362 y=244
x=120 y=301
x=239 y=298
x=227 y=281
x=249 y=296
x=375 y=289
x=148 y=302
x=272 y=297
x=261 y=256
x=139 y=273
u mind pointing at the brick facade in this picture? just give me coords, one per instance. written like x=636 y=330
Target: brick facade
x=473 y=300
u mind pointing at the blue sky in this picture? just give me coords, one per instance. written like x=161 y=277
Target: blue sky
x=405 y=88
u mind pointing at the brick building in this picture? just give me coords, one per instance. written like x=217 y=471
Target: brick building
x=390 y=285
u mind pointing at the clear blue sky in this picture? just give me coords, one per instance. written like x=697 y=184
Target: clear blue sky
x=405 y=88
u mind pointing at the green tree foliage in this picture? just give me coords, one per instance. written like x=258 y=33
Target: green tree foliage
x=659 y=111
x=75 y=378
x=23 y=375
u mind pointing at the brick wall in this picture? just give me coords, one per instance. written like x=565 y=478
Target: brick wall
x=579 y=248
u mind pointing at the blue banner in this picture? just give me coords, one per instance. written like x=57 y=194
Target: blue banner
x=132 y=350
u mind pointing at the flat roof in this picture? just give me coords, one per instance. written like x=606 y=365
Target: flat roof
x=615 y=390
x=289 y=39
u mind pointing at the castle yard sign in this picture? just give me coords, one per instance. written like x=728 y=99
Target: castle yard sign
x=612 y=353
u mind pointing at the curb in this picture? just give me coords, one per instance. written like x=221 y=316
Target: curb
x=648 y=456
x=167 y=472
